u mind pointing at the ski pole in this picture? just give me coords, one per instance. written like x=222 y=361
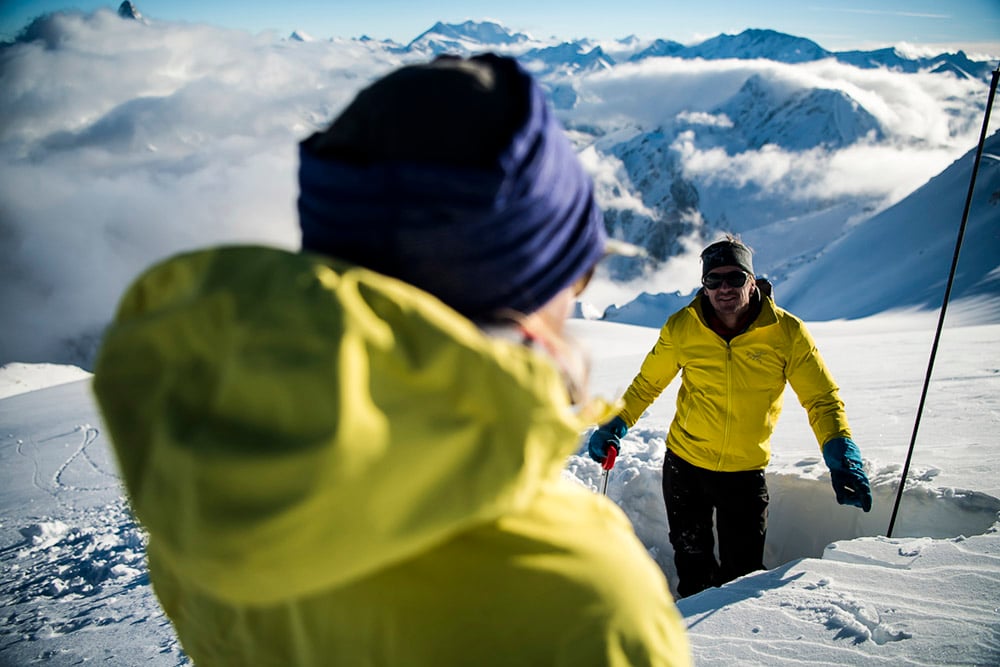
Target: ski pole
x=608 y=464
x=947 y=295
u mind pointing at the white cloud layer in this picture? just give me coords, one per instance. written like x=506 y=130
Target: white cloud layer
x=859 y=170
x=122 y=143
x=912 y=107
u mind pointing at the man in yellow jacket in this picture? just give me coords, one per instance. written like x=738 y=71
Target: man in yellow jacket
x=735 y=351
x=353 y=455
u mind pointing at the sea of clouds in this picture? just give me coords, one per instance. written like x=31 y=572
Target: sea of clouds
x=123 y=142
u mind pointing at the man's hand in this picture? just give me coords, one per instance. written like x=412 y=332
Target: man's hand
x=847 y=473
x=608 y=435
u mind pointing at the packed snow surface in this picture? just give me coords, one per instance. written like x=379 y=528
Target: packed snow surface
x=75 y=589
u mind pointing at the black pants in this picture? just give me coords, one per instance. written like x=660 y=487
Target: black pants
x=739 y=500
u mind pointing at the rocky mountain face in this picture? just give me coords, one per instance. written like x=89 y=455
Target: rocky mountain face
x=655 y=176
x=127 y=10
x=797 y=121
x=758 y=115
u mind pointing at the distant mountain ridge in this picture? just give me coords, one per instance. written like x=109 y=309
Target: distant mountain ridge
x=484 y=32
x=753 y=43
x=762 y=113
x=472 y=36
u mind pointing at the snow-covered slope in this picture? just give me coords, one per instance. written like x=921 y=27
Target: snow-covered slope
x=901 y=257
x=74 y=587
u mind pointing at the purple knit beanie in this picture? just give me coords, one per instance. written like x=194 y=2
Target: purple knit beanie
x=456 y=177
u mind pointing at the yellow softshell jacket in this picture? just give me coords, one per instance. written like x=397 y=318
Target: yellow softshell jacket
x=731 y=393
x=334 y=468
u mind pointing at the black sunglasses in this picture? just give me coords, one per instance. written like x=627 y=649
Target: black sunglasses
x=714 y=281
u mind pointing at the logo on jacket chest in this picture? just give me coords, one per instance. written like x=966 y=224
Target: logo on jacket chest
x=755 y=355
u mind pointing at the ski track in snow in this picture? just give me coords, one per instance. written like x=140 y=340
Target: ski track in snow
x=81 y=463
x=90 y=434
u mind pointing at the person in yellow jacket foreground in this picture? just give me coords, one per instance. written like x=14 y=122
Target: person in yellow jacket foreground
x=735 y=350
x=353 y=455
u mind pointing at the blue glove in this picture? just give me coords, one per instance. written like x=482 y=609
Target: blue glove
x=847 y=473
x=608 y=435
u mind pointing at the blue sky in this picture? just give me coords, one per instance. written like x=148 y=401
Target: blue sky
x=835 y=24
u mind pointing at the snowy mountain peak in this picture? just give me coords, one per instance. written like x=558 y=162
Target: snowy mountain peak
x=889 y=57
x=127 y=10
x=898 y=60
x=659 y=48
x=488 y=32
x=754 y=43
x=802 y=119
x=466 y=37
x=569 y=57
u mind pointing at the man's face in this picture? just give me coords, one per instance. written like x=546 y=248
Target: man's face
x=726 y=299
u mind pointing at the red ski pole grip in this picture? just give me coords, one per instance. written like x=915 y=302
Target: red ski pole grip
x=609 y=462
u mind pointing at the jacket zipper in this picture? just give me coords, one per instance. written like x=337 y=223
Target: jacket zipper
x=729 y=405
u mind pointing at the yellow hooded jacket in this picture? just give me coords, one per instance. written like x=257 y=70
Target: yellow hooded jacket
x=335 y=468
x=731 y=393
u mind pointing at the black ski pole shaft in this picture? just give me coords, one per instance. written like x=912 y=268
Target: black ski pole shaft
x=947 y=295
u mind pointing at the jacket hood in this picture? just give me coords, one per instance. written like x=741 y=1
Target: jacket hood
x=269 y=407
